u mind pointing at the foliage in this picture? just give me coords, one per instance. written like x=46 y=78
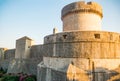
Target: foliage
x=1 y=79
x=10 y=78
x=29 y=79
x=17 y=77
x=3 y=71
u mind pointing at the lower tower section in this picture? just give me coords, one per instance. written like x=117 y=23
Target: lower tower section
x=80 y=56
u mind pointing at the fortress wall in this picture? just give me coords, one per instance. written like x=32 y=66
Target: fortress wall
x=36 y=51
x=36 y=56
x=60 y=64
x=78 y=36
x=9 y=54
x=2 y=51
x=28 y=66
x=83 y=44
x=5 y=63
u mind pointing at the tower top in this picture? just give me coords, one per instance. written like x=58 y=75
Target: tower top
x=82 y=16
x=82 y=6
x=25 y=38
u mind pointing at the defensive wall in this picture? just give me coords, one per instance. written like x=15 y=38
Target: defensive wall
x=82 y=52
x=83 y=44
x=36 y=56
x=78 y=44
x=70 y=55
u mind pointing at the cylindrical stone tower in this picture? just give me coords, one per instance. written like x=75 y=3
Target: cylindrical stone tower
x=82 y=16
x=81 y=52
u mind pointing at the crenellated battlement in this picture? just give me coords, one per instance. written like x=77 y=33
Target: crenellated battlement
x=82 y=6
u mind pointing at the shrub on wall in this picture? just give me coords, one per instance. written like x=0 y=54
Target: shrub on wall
x=10 y=78
x=17 y=77
x=29 y=79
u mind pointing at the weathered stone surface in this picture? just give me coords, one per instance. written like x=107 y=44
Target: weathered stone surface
x=17 y=66
x=69 y=69
x=36 y=51
x=21 y=62
x=4 y=64
x=79 y=36
x=77 y=54
x=62 y=49
x=28 y=66
x=75 y=6
x=2 y=52
x=117 y=48
x=69 y=73
x=9 y=54
x=23 y=48
x=58 y=76
x=85 y=64
x=83 y=44
x=82 y=16
x=41 y=72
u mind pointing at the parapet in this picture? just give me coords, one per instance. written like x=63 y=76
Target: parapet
x=82 y=6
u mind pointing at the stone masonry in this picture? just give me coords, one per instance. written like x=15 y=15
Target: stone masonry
x=82 y=52
x=82 y=16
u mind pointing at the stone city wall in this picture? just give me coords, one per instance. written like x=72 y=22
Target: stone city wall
x=83 y=44
x=36 y=51
x=29 y=65
x=78 y=69
x=9 y=54
x=61 y=64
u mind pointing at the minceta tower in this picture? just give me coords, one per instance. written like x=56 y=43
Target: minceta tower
x=82 y=52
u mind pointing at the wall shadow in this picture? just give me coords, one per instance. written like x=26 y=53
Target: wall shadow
x=103 y=74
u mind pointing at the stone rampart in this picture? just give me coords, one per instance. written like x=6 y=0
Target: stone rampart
x=9 y=54
x=28 y=66
x=85 y=64
x=83 y=44
x=36 y=51
x=78 y=69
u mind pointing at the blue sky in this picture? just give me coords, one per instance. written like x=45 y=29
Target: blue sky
x=37 y=18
